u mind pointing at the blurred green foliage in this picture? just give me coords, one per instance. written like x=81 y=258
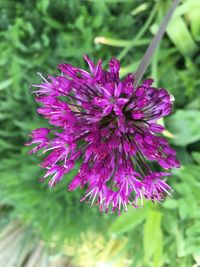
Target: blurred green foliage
x=37 y=35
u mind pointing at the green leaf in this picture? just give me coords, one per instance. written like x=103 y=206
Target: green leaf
x=128 y=221
x=177 y=31
x=153 y=238
x=183 y=155
x=4 y=84
x=185 y=125
x=196 y=156
x=139 y=9
x=180 y=243
x=43 y=5
x=170 y=204
x=191 y=9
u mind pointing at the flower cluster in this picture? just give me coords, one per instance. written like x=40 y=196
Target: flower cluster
x=110 y=127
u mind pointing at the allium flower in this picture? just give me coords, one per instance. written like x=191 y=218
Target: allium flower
x=110 y=127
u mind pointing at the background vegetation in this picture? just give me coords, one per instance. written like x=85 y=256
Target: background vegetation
x=39 y=226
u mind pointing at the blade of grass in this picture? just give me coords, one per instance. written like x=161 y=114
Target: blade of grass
x=139 y=35
x=119 y=42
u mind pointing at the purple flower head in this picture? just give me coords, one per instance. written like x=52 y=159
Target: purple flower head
x=111 y=127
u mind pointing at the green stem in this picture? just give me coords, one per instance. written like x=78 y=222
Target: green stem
x=154 y=43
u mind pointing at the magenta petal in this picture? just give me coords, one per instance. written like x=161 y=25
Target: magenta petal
x=114 y=65
x=140 y=91
x=74 y=183
x=157 y=128
x=137 y=115
x=122 y=101
x=107 y=110
x=90 y=63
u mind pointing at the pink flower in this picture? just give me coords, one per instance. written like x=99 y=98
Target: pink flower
x=112 y=128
